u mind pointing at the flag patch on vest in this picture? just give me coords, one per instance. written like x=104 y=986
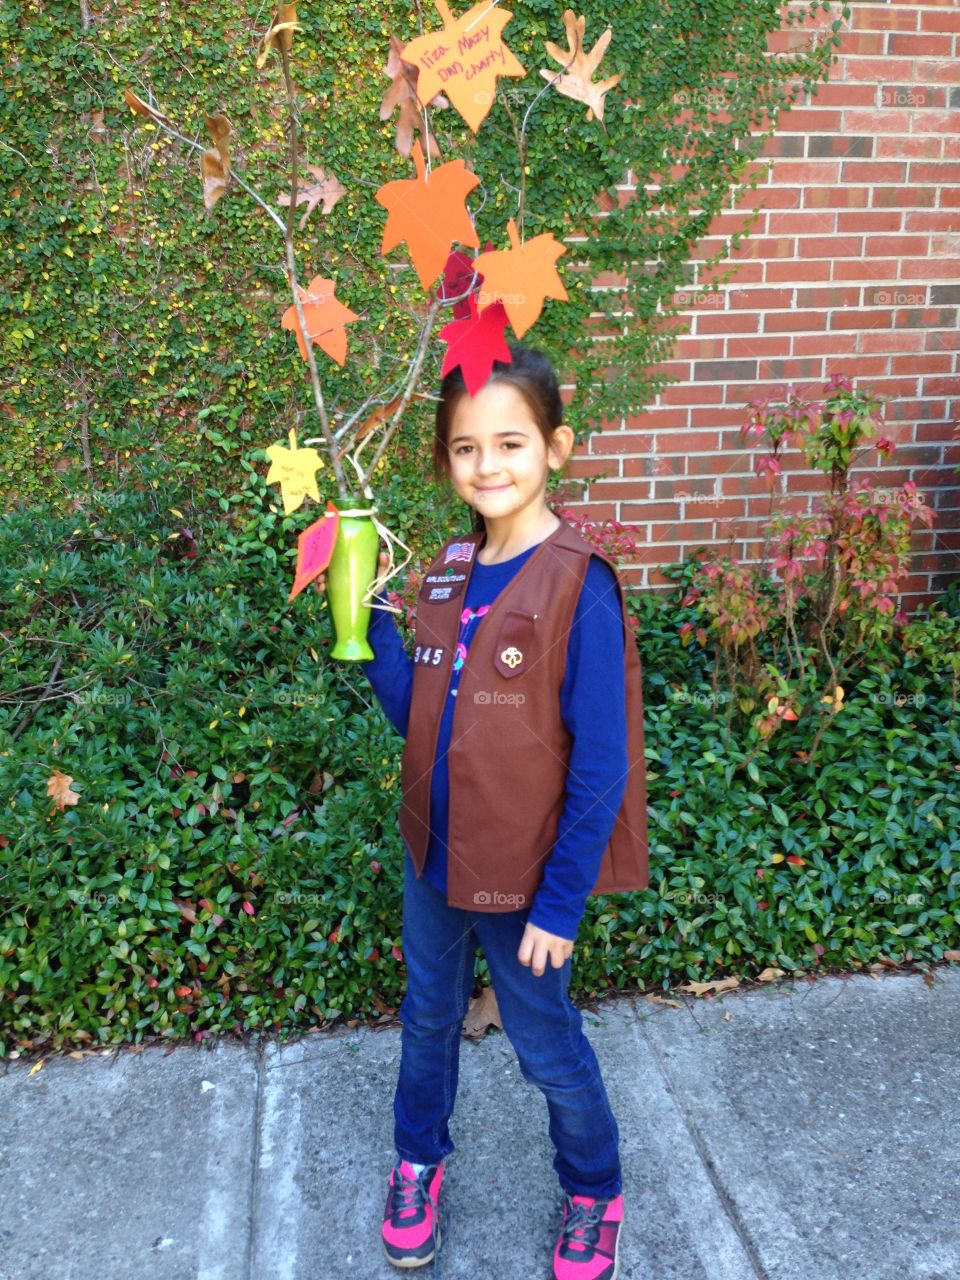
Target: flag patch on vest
x=459 y=551
x=430 y=655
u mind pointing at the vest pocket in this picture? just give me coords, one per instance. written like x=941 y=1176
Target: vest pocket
x=514 y=649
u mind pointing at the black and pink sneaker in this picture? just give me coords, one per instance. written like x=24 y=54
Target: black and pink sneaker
x=587 y=1248
x=411 y=1221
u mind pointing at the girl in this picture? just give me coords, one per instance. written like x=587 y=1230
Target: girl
x=523 y=793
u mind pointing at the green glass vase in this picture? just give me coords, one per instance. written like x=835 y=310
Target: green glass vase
x=352 y=568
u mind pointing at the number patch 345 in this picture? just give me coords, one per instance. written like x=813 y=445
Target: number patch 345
x=428 y=655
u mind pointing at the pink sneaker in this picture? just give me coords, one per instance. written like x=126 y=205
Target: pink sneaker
x=589 y=1241
x=411 y=1223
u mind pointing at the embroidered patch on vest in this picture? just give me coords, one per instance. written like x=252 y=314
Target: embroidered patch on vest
x=428 y=655
x=447 y=576
x=459 y=551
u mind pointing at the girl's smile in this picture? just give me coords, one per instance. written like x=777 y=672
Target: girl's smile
x=499 y=463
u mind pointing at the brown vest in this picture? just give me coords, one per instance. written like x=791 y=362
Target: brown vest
x=509 y=748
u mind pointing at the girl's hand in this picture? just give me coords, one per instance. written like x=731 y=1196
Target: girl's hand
x=536 y=944
x=320 y=581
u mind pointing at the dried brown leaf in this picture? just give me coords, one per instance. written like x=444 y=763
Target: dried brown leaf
x=482 y=1012
x=580 y=66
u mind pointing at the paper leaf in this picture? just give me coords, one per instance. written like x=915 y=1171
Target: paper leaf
x=215 y=161
x=281 y=31
x=326 y=188
x=429 y=213
x=460 y=279
x=580 y=66
x=324 y=317
x=315 y=549
x=58 y=788
x=295 y=471
x=521 y=277
x=464 y=59
x=403 y=94
x=475 y=343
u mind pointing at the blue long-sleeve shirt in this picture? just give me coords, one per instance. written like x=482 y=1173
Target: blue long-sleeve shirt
x=593 y=709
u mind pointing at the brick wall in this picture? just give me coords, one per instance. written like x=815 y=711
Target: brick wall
x=853 y=266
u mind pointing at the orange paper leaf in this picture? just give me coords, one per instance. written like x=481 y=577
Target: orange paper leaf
x=324 y=317
x=464 y=59
x=521 y=277
x=428 y=211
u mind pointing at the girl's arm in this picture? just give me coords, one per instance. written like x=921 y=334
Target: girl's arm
x=391 y=671
x=593 y=705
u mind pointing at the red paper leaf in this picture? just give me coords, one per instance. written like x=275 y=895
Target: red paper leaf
x=315 y=549
x=475 y=343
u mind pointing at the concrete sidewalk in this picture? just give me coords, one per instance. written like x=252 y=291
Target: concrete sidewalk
x=806 y=1132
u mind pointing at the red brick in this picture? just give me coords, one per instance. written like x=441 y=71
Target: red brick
x=832 y=296
x=844 y=94
x=807 y=171
x=657 y=420
x=928 y=363
x=929 y=220
x=682 y=531
x=873 y=171
x=760 y=299
x=898 y=245
x=940 y=21
x=940 y=175
x=705 y=393
x=582 y=468
x=855 y=319
x=941 y=340
x=941 y=386
x=861 y=44
x=949 y=245
x=781 y=370
x=729 y=322
x=754 y=346
x=833 y=345
x=922 y=45
x=942 y=72
x=636 y=513
x=809 y=269
x=875 y=340
x=876 y=71
x=889 y=18
x=897 y=197
x=928 y=268
x=870 y=220
x=908 y=147
x=834 y=197
x=813 y=120
x=805 y=223
x=830 y=246
x=607 y=442
x=788 y=321
x=941 y=122
x=667 y=553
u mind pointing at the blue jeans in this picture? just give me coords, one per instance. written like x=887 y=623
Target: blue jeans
x=545 y=1029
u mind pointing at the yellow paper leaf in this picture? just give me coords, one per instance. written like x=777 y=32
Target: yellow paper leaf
x=295 y=471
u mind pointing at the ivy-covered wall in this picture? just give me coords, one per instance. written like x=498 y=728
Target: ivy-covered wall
x=131 y=315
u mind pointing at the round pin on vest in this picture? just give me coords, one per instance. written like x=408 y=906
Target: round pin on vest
x=512 y=657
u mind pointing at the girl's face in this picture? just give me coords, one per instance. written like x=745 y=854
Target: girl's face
x=498 y=461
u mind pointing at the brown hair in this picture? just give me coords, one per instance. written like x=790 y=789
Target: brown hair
x=531 y=372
